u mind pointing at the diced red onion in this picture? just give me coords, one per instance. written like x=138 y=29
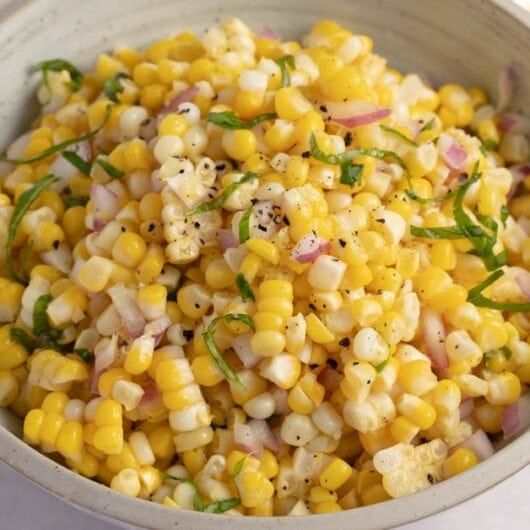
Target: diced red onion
x=156 y=328
x=467 y=406
x=184 y=96
x=247 y=439
x=226 y=239
x=106 y=205
x=452 y=152
x=263 y=432
x=269 y=33
x=104 y=355
x=514 y=123
x=523 y=281
x=516 y=417
x=434 y=336
x=309 y=248
x=241 y=345
x=519 y=173
x=479 y=443
x=234 y=257
x=355 y=113
x=151 y=393
x=506 y=87
x=131 y=316
x=329 y=378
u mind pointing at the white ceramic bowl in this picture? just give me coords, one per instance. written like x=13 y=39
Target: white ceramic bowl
x=460 y=40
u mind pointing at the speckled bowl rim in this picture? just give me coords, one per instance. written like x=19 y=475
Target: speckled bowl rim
x=103 y=502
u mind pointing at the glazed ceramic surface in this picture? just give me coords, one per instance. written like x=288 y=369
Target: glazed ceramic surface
x=467 y=41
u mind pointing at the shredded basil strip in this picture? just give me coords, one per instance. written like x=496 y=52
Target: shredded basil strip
x=351 y=174
x=227 y=120
x=112 y=86
x=198 y=505
x=244 y=226
x=77 y=162
x=476 y=297
x=429 y=125
x=484 y=242
x=214 y=350
x=444 y=232
x=85 y=354
x=40 y=319
x=63 y=145
x=489 y=145
x=222 y=198
x=400 y=135
x=505 y=213
x=411 y=194
x=239 y=466
x=23 y=338
x=58 y=65
x=244 y=289
x=285 y=62
x=112 y=171
x=23 y=204
x=348 y=156
x=70 y=202
x=505 y=351
x=221 y=506
x=230 y=120
x=260 y=119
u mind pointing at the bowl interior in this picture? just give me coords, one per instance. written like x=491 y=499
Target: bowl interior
x=456 y=40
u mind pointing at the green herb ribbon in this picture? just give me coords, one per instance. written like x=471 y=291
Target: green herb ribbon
x=476 y=297
x=223 y=197
x=23 y=338
x=198 y=504
x=351 y=174
x=230 y=120
x=244 y=226
x=285 y=63
x=348 y=156
x=58 y=65
x=63 y=145
x=112 y=171
x=77 y=162
x=70 y=202
x=400 y=135
x=112 y=86
x=429 y=125
x=24 y=203
x=213 y=348
x=85 y=354
x=244 y=289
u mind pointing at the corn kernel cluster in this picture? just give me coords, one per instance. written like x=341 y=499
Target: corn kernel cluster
x=350 y=364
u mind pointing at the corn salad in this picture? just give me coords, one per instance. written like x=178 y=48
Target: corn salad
x=260 y=277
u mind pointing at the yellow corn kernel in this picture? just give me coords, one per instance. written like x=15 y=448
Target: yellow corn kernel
x=291 y=104
x=416 y=410
x=205 y=370
x=264 y=249
x=32 y=425
x=327 y=507
x=109 y=439
x=403 y=430
x=317 y=331
x=129 y=249
x=335 y=474
x=239 y=144
x=461 y=460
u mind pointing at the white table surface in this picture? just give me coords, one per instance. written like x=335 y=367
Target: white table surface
x=24 y=506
